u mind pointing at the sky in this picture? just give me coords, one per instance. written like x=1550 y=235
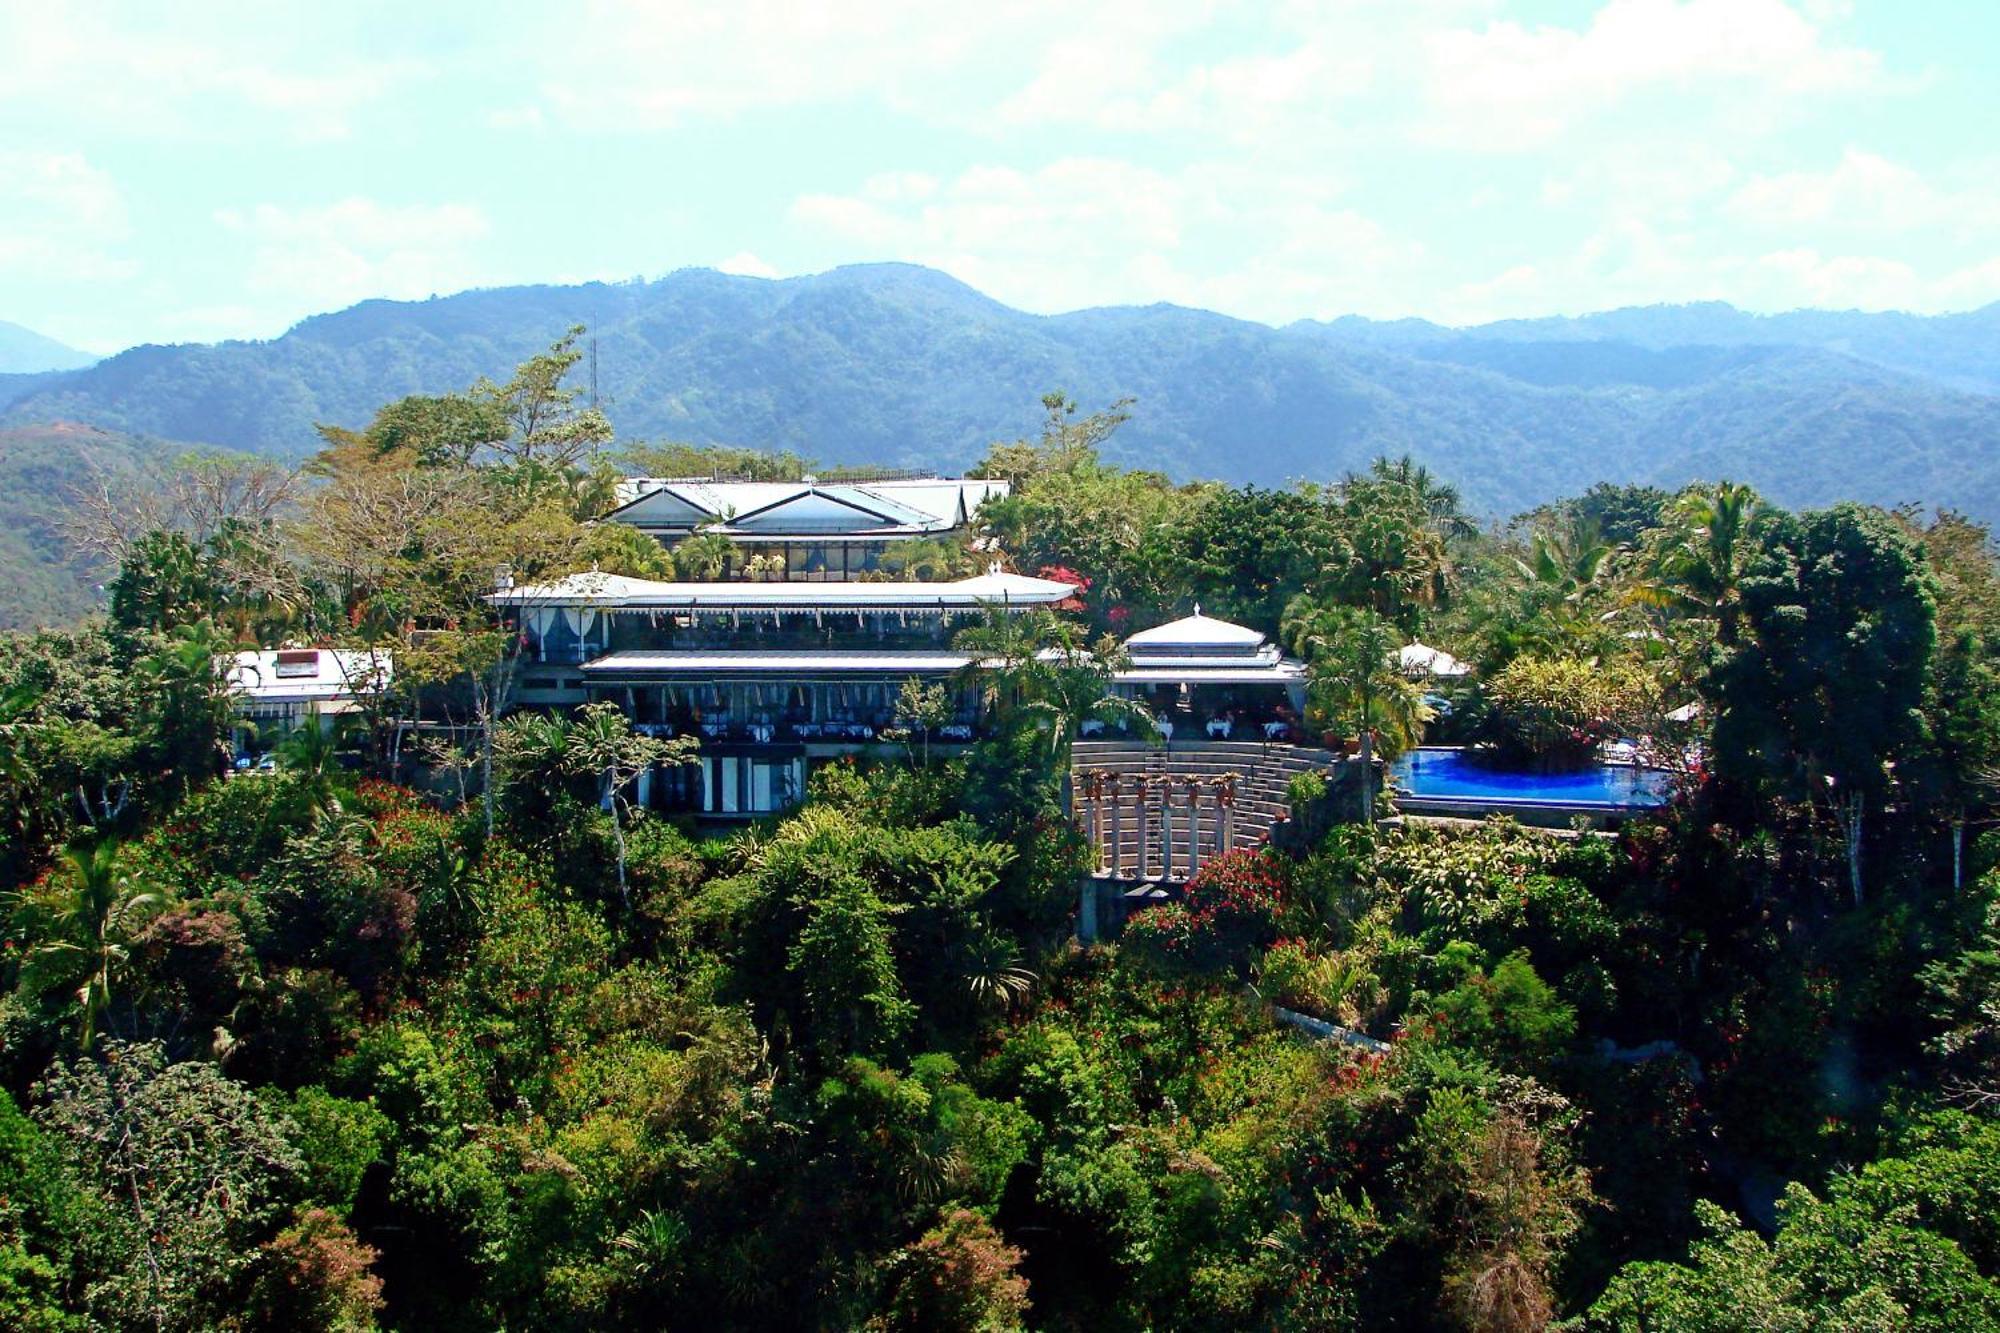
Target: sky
x=200 y=171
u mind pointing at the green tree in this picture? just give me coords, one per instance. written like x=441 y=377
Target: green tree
x=703 y=558
x=88 y=936
x=545 y=425
x=1825 y=696
x=189 y=1170
x=164 y=582
x=1695 y=560
x=1356 y=678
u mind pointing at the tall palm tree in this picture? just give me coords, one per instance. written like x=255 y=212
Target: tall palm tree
x=1696 y=565
x=1355 y=676
x=1564 y=578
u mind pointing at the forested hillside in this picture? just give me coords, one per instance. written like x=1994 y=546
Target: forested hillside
x=44 y=471
x=357 y=1043
x=901 y=365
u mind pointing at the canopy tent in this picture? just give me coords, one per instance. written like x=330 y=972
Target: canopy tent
x=1419 y=659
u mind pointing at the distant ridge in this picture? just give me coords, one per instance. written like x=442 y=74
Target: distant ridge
x=898 y=365
x=25 y=352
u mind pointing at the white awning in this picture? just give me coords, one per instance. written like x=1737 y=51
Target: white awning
x=1276 y=673
x=1195 y=633
x=616 y=592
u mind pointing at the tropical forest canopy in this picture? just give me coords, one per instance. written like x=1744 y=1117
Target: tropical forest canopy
x=434 y=1028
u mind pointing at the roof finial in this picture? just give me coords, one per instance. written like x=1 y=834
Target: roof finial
x=1197 y=608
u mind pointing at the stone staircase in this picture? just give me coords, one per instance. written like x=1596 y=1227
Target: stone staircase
x=1262 y=771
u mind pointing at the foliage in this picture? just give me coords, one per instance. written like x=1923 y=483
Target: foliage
x=186 y=1169
x=308 y=1049
x=1553 y=713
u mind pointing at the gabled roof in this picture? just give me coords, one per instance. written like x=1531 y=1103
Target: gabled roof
x=1195 y=631
x=902 y=507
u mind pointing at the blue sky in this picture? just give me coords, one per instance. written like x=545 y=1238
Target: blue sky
x=208 y=170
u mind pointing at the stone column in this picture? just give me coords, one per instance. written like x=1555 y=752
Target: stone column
x=1093 y=806
x=1145 y=838
x=1117 y=781
x=1195 y=827
x=1167 y=828
x=1225 y=800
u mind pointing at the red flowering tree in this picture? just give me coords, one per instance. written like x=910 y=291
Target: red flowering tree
x=1064 y=574
x=1231 y=907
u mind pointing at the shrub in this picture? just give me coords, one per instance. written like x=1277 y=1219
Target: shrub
x=961 y=1277
x=1553 y=713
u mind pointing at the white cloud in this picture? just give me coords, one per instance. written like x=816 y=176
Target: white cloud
x=60 y=218
x=1863 y=190
x=1088 y=231
x=188 y=70
x=319 y=258
x=636 y=65
x=1508 y=86
x=746 y=265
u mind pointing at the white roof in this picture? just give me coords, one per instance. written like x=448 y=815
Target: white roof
x=306 y=675
x=618 y=592
x=903 y=506
x=1258 y=671
x=1195 y=631
x=1417 y=659
x=775 y=663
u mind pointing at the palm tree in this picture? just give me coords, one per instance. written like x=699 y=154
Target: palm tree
x=1396 y=557
x=312 y=751
x=1696 y=565
x=1563 y=577
x=1038 y=668
x=1441 y=501
x=93 y=932
x=1355 y=676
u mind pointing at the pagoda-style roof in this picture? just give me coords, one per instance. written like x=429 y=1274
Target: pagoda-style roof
x=1195 y=635
x=1200 y=649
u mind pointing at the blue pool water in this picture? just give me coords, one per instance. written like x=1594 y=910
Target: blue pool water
x=1441 y=774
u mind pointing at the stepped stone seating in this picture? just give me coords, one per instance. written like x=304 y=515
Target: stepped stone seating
x=1130 y=843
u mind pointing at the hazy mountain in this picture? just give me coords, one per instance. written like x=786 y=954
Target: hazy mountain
x=23 y=351
x=1961 y=350
x=898 y=364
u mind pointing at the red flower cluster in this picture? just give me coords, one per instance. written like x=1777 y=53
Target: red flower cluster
x=1232 y=905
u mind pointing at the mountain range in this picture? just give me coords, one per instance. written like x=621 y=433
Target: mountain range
x=902 y=365
x=23 y=351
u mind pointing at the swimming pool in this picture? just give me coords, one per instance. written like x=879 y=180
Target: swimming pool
x=1438 y=774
